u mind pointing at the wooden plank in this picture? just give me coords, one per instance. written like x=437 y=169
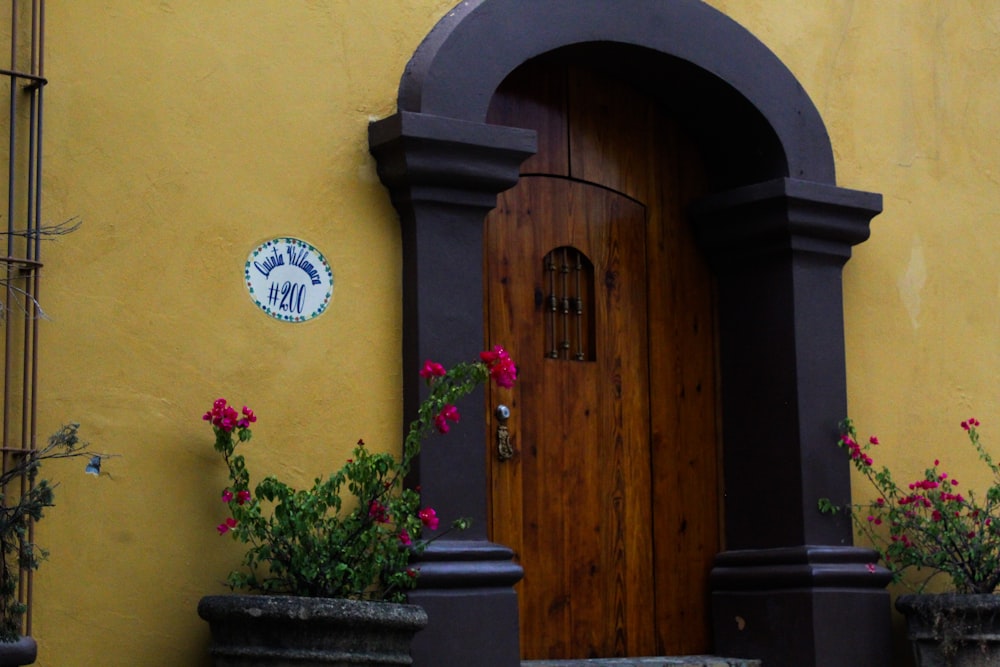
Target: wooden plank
x=536 y=100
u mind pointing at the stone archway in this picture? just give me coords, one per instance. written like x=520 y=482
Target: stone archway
x=777 y=230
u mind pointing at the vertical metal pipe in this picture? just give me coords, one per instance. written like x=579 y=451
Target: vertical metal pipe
x=10 y=267
x=33 y=252
x=11 y=168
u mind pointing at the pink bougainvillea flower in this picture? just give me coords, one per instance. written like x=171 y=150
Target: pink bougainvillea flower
x=404 y=538
x=501 y=366
x=431 y=369
x=441 y=424
x=448 y=413
x=378 y=512
x=227 y=495
x=222 y=415
x=226 y=526
x=870 y=567
x=971 y=423
x=248 y=418
x=490 y=357
x=429 y=518
x=242 y=496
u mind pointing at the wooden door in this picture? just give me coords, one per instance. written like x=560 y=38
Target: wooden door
x=577 y=494
x=595 y=286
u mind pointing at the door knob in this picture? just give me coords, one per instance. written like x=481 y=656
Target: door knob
x=505 y=451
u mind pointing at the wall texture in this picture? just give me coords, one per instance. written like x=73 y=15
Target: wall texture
x=185 y=133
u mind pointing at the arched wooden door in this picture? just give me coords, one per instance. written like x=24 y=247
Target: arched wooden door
x=611 y=498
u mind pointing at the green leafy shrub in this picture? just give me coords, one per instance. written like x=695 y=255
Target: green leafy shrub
x=352 y=533
x=929 y=523
x=23 y=500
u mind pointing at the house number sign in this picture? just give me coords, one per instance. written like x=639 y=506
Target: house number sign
x=289 y=279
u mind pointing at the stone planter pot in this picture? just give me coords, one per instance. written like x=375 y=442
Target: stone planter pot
x=279 y=631
x=951 y=630
x=21 y=652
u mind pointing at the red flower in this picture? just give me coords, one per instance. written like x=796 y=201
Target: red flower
x=227 y=495
x=448 y=413
x=440 y=424
x=431 y=369
x=972 y=422
x=222 y=415
x=429 y=518
x=224 y=527
x=404 y=538
x=242 y=496
x=501 y=366
x=248 y=418
x=378 y=512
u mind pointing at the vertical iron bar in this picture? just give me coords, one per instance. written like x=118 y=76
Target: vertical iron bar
x=33 y=249
x=564 y=269
x=11 y=267
x=550 y=266
x=11 y=145
x=29 y=241
x=579 y=308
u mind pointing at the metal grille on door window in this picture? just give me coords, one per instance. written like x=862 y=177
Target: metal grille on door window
x=569 y=304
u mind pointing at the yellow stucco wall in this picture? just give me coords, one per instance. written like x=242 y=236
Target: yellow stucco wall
x=184 y=133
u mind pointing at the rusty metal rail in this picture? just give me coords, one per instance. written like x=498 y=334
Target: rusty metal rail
x=21 y=265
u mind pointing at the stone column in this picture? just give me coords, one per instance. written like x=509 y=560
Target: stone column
x=443 y=176
x=790 y=587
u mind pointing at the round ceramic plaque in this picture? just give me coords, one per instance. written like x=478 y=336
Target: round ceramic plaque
x=289 y=279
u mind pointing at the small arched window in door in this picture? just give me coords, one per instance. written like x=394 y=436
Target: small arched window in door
x=569 y=305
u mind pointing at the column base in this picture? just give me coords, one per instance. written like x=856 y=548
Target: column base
x=466 y=588
x=804 y=606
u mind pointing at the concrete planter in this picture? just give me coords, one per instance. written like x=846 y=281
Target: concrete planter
x=951 y=630
x=21 y=652
x=280 y=631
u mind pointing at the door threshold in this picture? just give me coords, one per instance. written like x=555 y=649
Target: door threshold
x=658 y=661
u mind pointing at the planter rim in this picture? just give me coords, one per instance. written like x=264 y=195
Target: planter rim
x=361 y=612
x=22 y=652
x=916 y=602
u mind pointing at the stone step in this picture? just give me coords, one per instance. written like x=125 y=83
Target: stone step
x=685 y=661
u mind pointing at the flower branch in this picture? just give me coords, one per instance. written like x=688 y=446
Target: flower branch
x=351 y=534
x=928 y=524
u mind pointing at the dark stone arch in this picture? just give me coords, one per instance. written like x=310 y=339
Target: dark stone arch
x=454 y=72
x=777 y=230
